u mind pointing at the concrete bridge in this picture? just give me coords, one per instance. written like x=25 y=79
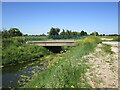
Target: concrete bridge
x=53 y=43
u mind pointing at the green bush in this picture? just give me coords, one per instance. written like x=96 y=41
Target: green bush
x=15 y=50
x=117 y=38
x=92 y=39
x=16 y=41
x=107 y=48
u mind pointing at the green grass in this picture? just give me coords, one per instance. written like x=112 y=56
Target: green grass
x=15 y=50
x=36 y=38
x=53 y=37
x=117 y=38
x=107 y=48
x=68 y=71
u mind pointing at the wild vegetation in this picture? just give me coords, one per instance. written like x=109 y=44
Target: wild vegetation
x=107 y=48
x=116 y=38
x=68 y=71
x=15 y=50
x=36 y=38
x=12 y=32
x=110 y=38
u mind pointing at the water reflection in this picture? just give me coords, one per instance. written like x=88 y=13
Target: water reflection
x=11 y=74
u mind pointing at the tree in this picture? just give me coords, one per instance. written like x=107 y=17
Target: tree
x=54 y=31
x=25 y=34
x=74 y=33
x=94 y=33
x=103 y=34
x=5 y=34
x=11 y=33
x=43 y=34
x=63 y=32
x=67 y=32
x=82 y=33
x=15 y=32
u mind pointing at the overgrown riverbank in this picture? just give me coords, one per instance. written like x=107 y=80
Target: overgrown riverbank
x=14 y=50
x=18 y=75
x=62 y=71
x=69 y=70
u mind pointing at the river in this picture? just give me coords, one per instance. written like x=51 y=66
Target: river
x=20 y=74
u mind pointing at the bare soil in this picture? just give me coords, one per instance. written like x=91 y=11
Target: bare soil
x=103 y=71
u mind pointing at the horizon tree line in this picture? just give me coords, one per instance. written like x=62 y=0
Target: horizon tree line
x=12 y=32
x=56 y=31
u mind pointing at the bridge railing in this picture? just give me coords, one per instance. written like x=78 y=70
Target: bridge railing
x=53 y=37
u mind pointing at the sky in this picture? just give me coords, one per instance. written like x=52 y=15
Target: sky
x=39 y=17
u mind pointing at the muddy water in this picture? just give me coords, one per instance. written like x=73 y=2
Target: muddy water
x=18 y=75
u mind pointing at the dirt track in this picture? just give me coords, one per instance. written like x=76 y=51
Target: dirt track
x=104 y=67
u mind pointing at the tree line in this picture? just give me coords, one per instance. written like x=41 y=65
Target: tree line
x=12 y=32
x=56 y=31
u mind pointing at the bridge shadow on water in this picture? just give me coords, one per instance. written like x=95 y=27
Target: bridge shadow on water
x=54 y=49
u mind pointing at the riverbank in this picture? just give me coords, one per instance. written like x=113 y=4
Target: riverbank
x=15 y=50
x=21 y=62
x=65 y=69
x=69 y=70
x=18 y=75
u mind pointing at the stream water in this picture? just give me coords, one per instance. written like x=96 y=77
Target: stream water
x=18 y=75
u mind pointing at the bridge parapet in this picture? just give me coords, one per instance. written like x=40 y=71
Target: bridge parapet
x=54 y=43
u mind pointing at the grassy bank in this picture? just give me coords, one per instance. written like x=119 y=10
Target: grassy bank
x=117 y=38
x=107 y=48
x=14 y=50
x=69 y=70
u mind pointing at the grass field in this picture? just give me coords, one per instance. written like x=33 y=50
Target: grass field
x=53 y=37
x=110 y=38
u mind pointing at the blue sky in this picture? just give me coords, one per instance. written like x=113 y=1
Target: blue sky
x=39 y=17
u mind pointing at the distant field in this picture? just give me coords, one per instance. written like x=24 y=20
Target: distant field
x=53 y=37
x=110 y=38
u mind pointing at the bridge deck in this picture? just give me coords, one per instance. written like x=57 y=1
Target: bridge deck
x=54 y=43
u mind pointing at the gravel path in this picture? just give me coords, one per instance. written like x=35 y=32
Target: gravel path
x=104 y=67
